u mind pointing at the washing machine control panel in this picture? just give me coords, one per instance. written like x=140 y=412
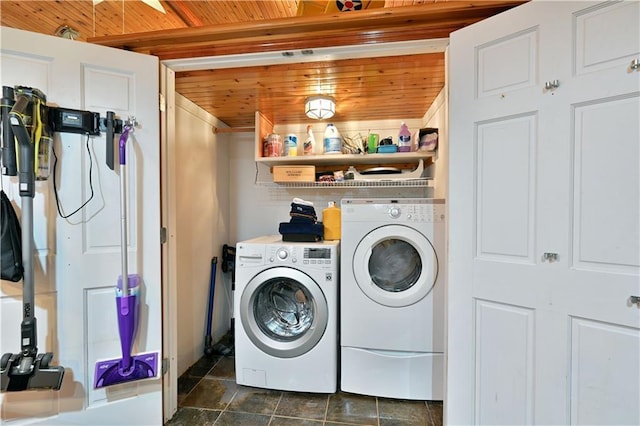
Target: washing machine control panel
x=313 y=256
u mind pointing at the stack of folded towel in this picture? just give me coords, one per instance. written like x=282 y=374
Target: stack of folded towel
x=303 y=225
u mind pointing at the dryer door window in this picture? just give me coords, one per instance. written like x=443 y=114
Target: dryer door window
x=284 y=312
x=395 y=265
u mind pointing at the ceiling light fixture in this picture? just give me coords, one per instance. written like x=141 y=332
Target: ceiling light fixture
x=66 y=31
x=320 y=107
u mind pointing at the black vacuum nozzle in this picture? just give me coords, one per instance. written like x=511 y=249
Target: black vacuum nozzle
x=19 y=373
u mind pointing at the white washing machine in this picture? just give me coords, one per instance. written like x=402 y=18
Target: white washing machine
x=392 y=284
x=286 y=298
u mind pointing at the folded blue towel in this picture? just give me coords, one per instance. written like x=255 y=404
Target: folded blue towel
x=303 y=209
x=315 y=229
x=295 y=218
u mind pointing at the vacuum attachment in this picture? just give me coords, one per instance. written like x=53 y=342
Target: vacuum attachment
x=20 y=372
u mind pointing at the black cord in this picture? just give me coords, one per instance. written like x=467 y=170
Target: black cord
x=55 y=190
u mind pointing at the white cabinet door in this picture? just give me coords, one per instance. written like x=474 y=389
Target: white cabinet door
x=78 y=259
x=544 y=207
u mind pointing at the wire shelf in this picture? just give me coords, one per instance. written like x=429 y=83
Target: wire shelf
x=410 y=183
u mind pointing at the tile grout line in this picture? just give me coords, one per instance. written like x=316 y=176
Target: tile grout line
x=431 y=420
x=192 y=388
x=275 y=409
x=230 y=399
x=326 y=410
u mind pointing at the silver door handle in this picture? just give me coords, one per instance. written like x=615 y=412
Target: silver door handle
x=635 y=64
x=551 y=257
x=550 y=85
x=634 y=300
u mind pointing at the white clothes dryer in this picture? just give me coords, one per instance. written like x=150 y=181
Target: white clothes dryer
x=392 y=297
x=286 y=298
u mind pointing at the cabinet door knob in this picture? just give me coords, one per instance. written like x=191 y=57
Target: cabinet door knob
x=550 y=257
x=634 y=300
x=635 y=64
x=552 y=84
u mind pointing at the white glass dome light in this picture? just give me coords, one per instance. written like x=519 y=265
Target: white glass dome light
x=320 y=107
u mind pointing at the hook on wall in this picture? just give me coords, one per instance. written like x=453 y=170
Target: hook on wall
x=551 y=85
x=113 y=126
x=132 y=122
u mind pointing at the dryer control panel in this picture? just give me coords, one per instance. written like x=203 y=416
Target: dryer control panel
x=424 y=210
x=419 y=212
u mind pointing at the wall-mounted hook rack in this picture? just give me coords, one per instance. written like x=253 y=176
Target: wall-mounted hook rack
x=112 y=126
x=131 y=121
x=551 y=85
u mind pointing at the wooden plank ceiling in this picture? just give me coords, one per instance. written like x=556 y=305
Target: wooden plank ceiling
x=365 y=89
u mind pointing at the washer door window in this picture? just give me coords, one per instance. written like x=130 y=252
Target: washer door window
x=284 y=312
x=395 y=265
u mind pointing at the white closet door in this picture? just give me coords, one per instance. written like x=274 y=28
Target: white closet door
x=544 y=230
x=78 y=259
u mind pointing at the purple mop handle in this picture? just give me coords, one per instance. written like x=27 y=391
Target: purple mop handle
x=123 y=209
x=126 y=303
x=123 y=144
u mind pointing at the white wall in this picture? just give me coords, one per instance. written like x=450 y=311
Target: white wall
x=437 y=116
x=202 y=212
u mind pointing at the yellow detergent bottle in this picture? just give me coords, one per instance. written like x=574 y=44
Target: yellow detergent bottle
x=331 y=222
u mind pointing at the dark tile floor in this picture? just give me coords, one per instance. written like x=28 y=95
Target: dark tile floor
x=209 y=395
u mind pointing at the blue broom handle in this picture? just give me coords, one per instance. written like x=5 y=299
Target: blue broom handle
x=212 y=284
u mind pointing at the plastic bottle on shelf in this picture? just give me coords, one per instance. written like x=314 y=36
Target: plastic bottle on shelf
x=309 y=143
x=331 y=222
x=404 y=138
x=291 y=145
x=332 y=142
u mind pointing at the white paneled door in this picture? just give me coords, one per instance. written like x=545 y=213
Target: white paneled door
x=78 y=259
x=544 y=216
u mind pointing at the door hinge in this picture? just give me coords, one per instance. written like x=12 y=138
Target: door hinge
x=163 y=103
x=163 y=235
x=165 y=366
